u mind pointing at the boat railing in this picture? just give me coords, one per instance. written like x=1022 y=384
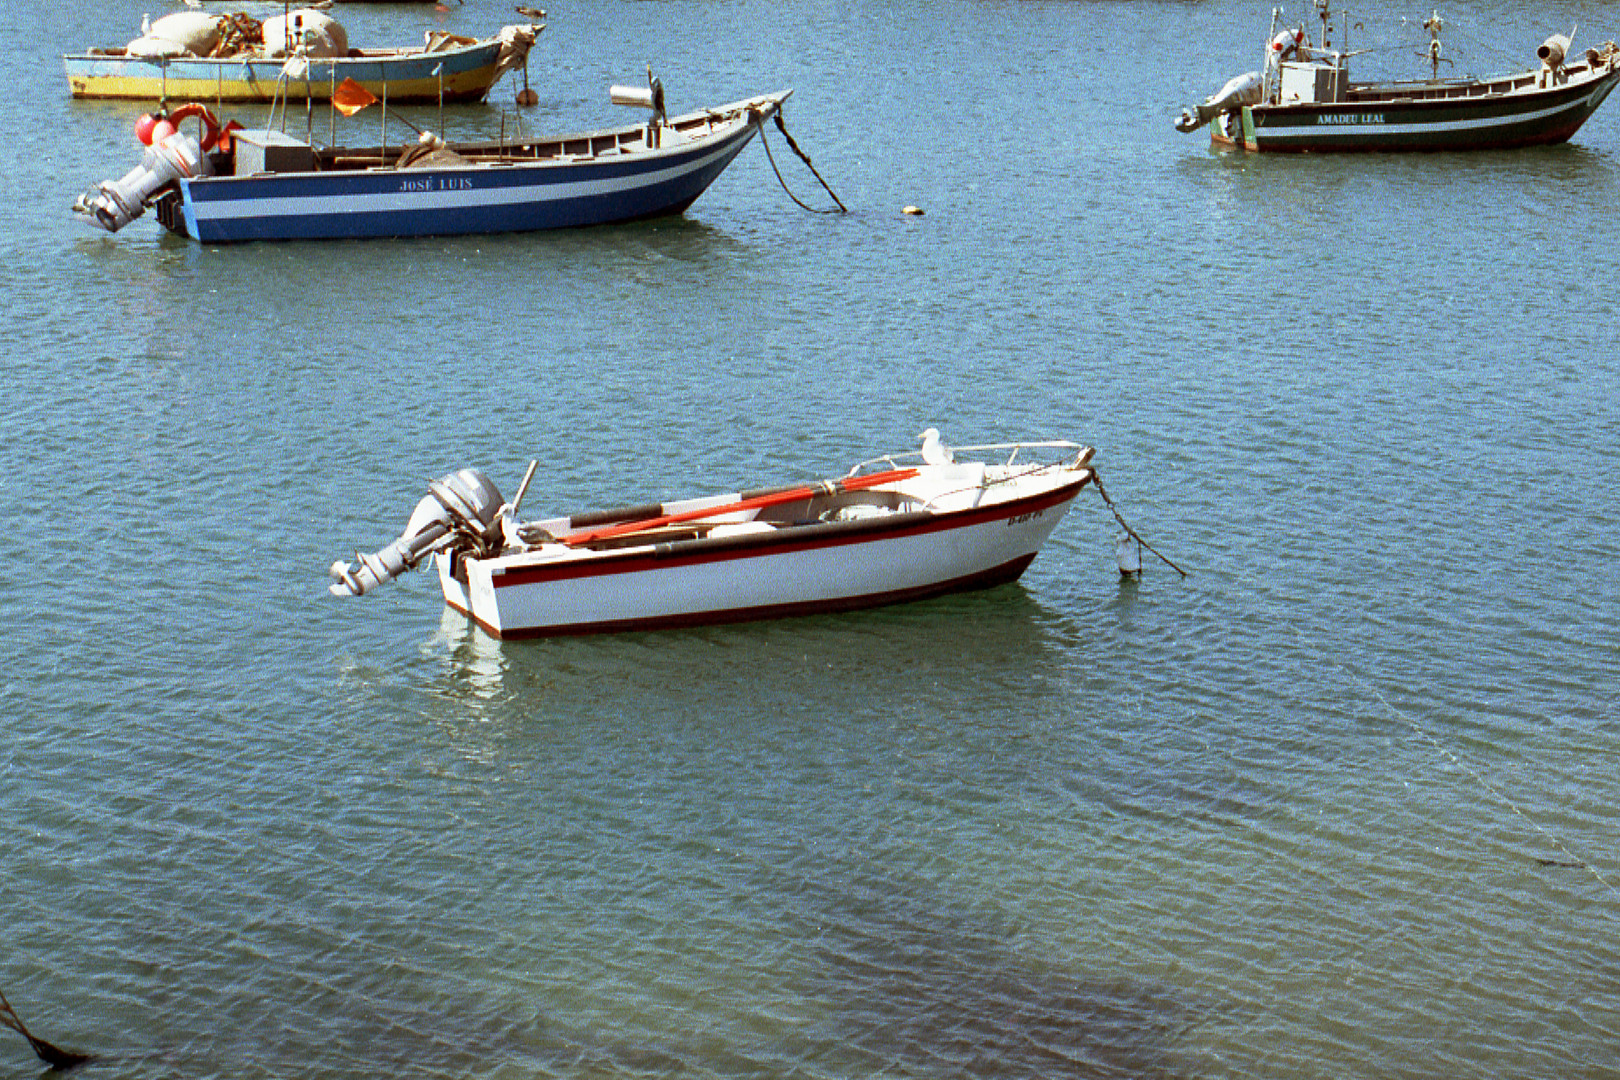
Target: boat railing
x=903 y=458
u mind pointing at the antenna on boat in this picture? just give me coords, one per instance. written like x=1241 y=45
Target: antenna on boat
x=523 y=488
x=1271 y=36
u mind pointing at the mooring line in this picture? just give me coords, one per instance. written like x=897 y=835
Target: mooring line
x=58 y=1059
x=1574 y=860
x=1096 y=482
x=842 y=209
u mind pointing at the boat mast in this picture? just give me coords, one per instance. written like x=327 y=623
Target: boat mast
x=1265 y=65
x=1434 y=25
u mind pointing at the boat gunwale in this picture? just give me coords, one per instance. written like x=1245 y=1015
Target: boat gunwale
x=725 y=122
x=534 y=568
x=352 y=56
x=1532 y=97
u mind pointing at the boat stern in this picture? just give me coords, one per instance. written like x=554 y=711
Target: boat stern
x=454 y=582
x=112 y=204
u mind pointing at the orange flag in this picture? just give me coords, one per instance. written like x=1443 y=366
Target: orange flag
x=350 y=97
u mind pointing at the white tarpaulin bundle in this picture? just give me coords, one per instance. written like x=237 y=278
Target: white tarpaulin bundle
x=307 y=31
x=515 y=44
x=185 y=33
x=304 y=32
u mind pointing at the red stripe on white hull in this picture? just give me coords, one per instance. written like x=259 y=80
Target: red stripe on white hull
x=792 y=571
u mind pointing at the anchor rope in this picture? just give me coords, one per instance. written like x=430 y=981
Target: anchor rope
x=1096 y=482
x=1501 y=55
x=842 y=209
x=58 y=1059
x=1571 y=859
x=1573 y=862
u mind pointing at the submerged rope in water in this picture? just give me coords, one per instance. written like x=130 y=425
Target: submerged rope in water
x=55 y=1057
x=1573 y=862
x=842 y=209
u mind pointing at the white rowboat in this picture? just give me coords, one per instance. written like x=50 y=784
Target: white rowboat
x=899 y=527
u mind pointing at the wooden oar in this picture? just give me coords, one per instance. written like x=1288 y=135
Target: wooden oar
x=795 y=494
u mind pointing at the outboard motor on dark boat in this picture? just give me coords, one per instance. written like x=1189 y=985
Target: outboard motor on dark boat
x=1239 y=90
x=1552 y=51
x=112 y=204
x=464 y=507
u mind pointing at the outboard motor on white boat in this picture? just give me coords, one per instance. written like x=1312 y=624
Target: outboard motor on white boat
x=464 y=506
x=1239 y=90
x=112 y=204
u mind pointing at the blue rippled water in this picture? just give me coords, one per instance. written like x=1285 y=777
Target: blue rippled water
x=1307 y=813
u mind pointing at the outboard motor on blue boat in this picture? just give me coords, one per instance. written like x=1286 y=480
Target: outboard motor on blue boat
x=112 y=204
x=650 y=98
x=464 y=507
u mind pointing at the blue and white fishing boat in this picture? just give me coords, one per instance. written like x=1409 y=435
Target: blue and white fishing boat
x=234 y=185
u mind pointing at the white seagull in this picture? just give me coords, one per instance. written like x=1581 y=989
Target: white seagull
x=935 y=452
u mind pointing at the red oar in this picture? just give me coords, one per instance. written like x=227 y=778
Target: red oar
x=805 y=491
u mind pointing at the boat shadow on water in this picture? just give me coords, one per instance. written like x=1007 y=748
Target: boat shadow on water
x=678 y=237
x=932 y=987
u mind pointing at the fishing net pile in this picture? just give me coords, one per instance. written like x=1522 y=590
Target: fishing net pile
x=305 y=32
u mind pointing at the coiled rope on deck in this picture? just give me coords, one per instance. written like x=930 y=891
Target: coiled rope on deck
x=782 y=127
